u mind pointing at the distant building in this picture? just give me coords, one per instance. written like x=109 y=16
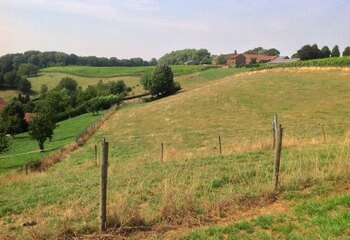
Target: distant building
x=240 y=59
x=281 y=60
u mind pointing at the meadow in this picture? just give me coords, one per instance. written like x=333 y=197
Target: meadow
x=24 y=150
x=196 y=186
x=88 y=71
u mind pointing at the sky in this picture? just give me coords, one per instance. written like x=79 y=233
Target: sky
x=151 y=28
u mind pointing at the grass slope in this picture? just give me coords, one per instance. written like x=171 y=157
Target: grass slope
x=194 y=185
x=87 y=71
x=23 y=149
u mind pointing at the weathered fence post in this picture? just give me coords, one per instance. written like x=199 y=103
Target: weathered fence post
x=26 y=169
x=161 y=152
x=103 y=200
x=278 y=149
x=220 y=145
x=274 y=129
x=324 y=133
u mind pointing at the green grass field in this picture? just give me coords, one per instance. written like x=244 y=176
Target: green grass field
x=195 y=186
x=51 y=79
x=87 y=71
x=24 y=150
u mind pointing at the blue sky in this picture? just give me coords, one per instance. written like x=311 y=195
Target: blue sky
x=151 y=28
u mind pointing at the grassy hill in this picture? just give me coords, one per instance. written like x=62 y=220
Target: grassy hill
x=195 y=186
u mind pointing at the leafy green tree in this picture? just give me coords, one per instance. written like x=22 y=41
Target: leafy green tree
x=41 y=129
x=117 y=87
x=43 y=89
x=221 y=59
x=326 y=53
x=316 y=52
x=27 y=69
x=93 y=106
x=11 y=79
x=335 y=51
x=346 y=52
x=153 y=62
x=295 y=55
x=53 y=102
x=13 y=115
x=67 y=83
x=305 y=53
x=185 y=55
x=24 y=85
x=160 y=82
x=261 y=50
x=3 y=139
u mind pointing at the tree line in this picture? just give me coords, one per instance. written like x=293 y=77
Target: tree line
x=179 y=57
x=308 y=52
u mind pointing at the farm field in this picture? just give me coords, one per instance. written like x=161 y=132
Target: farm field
x=24 y=150
x=194 y=185
x=187 y=81
x=88 y=71
x=51 y=79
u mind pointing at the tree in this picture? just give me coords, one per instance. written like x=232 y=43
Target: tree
x=53 y=102
x=13 y=115
x=42 y=128
x=326 y=53
x=316 y=52
x=24 y=85
x=295 y=55
x=117 y=87
x=3 y=139
x=185 y=55
x=261 y=50
x=153 y=62
x=160 y=82
x=305 y=53
x=67 y=83
x=11 y=79
x=335 y=51
x=346 y=51
x=221 y=59
x=43 y=89
x=27 y=69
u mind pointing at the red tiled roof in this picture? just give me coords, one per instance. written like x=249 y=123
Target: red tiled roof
x=259 y=57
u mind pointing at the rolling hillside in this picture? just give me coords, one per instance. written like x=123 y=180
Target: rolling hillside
x=196 y=186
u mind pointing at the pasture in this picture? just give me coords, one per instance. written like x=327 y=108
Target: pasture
x=88 y=71
x=195 y=185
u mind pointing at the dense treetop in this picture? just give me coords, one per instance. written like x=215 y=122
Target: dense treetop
x=201 y=56
x=261 y=50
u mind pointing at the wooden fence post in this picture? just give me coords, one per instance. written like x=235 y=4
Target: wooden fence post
x=324 y=133
x=220 y=145
x=103 y=200
x=278 y=149
x=274 y=129
x=161 y=152
x=26 y=169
